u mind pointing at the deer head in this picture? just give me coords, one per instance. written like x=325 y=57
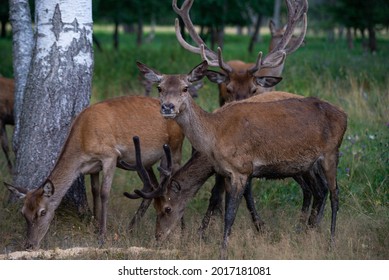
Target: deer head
x=238 y=80
x=37 y=211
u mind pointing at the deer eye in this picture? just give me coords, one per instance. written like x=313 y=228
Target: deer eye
x=168 y=210
x=185 y=89
x=42 y=212
x=254 y=90
x=159 y=89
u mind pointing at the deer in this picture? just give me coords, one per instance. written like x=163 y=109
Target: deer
x=7 y=90
x=238 y=79
x=100 y=136
x=175 y=192
x=276 y=34
x=295 y=137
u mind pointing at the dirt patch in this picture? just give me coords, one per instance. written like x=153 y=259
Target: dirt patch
x=78 y=252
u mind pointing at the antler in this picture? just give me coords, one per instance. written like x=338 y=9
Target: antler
x=297 y=11
x=148 y=191
x=166 y=173
x=212 y=58
x=139 y=167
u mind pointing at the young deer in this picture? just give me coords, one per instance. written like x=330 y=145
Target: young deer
x=99 y=138
x=174 y=193
x=297 y=138
x=278 y=33
x=238 y=79
x=7 y=89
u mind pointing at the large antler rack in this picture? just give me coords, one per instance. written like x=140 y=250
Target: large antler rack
x=297 y=10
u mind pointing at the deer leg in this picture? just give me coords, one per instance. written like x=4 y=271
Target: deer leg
x=108 y=172
x=4 y=146
x=145 y=202
x=95 y=186
x=234 y=193
x=214 y=203
x=248 y=195
x=307 y=198
x=319 y=189
x=330 y=164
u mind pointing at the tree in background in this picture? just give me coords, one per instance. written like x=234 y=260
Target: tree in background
x=57 y=89
x=131 y=13
x=4 y=8
x=359 y=15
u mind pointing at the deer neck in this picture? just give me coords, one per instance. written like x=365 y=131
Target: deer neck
x=200 y=169
x=197 y=125
x=65 y=172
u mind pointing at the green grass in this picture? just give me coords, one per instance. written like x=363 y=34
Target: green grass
x=354 y=80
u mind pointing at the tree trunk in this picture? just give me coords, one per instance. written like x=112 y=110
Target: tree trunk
x=3 y=27
x=58 y=88
x=372 y=39
x=22 y=46
x=277 y=12
x=349 y=38
x=116 y=35
x=139 y=32
x=254 y=37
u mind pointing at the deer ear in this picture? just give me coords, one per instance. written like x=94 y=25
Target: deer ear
x=267 y=81
x=149 y=74
x=17 y=191
x=48 y=188
x=216 y=77
x=198 y=72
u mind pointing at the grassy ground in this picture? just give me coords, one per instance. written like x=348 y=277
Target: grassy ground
x=354 y=80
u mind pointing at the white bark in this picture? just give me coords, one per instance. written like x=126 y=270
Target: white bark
x=23 y=42
x=58 y=87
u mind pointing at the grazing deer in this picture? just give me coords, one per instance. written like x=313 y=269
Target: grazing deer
x=99 y=138
x=238 y=79
x=297 y=138
x=7 y=95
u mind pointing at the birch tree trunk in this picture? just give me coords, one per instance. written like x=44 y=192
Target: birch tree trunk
x=58 y=88
x=22 y=46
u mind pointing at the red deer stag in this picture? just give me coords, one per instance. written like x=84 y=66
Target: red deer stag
x=99 y=137
x=286 y=138
x=239 y=79
x=7 y=89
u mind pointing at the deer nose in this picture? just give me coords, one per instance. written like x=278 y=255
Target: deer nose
x=167 y=108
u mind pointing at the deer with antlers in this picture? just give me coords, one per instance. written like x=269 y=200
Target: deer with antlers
x=297 y=138
x=7 y=89
x=99 y=138
x=238 y=79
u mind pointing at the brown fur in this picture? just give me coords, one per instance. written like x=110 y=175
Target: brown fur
x=100 y=136
x=7 y=92
x=286 y=138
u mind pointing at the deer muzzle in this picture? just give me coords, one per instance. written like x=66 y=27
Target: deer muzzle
x=168 y=110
